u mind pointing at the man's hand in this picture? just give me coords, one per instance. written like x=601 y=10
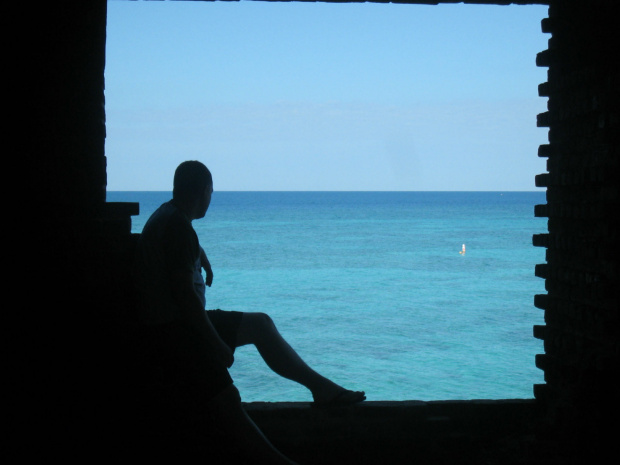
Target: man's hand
x=209 y=272
x=204 y=262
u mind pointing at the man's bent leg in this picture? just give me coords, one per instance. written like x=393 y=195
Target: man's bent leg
x=259 y=329
x=244 y=441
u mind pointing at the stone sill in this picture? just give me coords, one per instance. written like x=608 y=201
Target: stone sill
x=469 y=431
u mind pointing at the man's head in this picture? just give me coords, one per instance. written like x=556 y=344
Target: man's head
x=192 y=187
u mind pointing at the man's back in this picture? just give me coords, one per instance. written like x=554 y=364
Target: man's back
x=168 y=245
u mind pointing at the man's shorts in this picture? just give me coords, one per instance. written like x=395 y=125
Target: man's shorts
x=183 y=354
x=226 y=323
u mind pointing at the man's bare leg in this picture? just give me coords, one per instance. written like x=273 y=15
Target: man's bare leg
x=259 y=329
x=240 y=433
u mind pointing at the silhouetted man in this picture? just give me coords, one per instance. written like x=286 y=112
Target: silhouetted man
x=196 y=347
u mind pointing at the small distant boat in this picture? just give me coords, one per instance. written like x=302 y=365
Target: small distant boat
x=462 y=252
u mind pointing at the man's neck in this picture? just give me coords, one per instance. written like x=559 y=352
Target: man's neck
x=186 y=207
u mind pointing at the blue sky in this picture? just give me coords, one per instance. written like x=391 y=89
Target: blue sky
x=314 y=96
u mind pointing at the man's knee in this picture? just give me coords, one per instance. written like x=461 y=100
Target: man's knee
x=256 y=328
x=259 y=322
x=265 y=328
x=264 y=322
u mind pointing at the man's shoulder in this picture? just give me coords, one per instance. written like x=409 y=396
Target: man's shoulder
x=166 y=210
x=166 y=216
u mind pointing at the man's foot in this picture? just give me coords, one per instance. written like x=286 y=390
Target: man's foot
x=342 y=398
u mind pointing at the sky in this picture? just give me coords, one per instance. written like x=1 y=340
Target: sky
x=296 y=96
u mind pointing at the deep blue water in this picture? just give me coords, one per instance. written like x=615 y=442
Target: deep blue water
x=371 y=290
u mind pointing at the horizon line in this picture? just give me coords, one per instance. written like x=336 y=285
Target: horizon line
x=331 y=191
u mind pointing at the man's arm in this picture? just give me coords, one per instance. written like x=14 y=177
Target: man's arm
x=204 y=262
x=193 y=312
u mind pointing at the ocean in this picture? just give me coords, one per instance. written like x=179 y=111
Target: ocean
x=372 y=290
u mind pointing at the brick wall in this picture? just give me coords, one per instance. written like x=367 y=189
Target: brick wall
x=581 y=271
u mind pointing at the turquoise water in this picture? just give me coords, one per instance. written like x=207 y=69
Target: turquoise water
x=370 y=288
